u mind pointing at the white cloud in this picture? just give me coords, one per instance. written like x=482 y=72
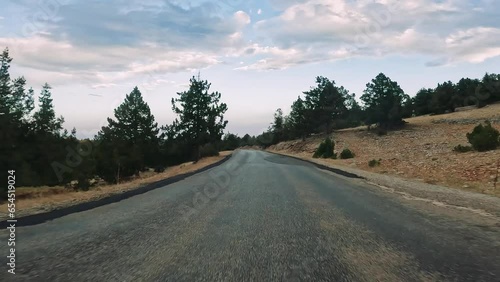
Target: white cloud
x=107 y=50
x=102 y=66
x=278 y=59
x=103 y=85
x=449 y=30
x=242 y=18
x=167 y=37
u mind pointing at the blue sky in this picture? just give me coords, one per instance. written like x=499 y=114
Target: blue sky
x=260 y=55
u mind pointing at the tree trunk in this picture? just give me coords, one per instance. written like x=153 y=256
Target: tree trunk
x=118 y=174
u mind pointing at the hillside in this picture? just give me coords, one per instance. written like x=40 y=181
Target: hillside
x=422 y=151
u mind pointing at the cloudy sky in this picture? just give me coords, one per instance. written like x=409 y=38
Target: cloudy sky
x=259 y=54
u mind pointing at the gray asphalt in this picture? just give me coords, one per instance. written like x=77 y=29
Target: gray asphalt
x=258 y=217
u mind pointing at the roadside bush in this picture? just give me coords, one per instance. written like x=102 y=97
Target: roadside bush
x=462 y=149
x=83 y=184
x=159 y=169
x=374 y=163
x=208 y=150
x=484 y=137
x=325 y=149
x=346 y=154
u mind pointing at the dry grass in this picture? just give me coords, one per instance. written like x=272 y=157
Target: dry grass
x=422 y=151
x=32 y=200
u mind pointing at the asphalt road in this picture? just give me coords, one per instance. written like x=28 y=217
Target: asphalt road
x=258 y=217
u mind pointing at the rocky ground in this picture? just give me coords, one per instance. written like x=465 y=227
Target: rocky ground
x=422 y=151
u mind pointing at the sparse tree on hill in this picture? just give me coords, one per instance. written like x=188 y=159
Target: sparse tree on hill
x=465 y=92
x=444 y=98
x=326 y=102
x=384 y=100
x=422 y=101
x=489 y=90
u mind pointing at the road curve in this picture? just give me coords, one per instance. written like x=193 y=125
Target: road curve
x=260 y=217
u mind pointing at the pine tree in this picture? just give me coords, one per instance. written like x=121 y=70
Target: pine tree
x=278 y=127
x=445 y=98
x=7 y=140
x=201 y=115
x=22 y=101
x=325 y=102
x=45 y=118
x=5 y=83
x=384 y=100
x=134 y=121
x=297 y=120
x=422 y=101
x=130 y=141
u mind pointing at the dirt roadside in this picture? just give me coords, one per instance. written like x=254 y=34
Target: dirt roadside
x=36 y=200
x=422 y=151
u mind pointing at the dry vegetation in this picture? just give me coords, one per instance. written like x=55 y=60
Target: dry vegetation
x=32 y=200
x=423 y=151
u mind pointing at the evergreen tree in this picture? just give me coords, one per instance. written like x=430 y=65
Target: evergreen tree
x=5 y=83
x=465 y=92
x=45 y=118
x=384 y=100
x=353 y=115
x=134 y=121
x=297 y=120
x=130 y=141
x=22 y=101
x=422 y=101
x=246 y=140
x=489 y=90
x=445 y=98
x=278 y=128
x=325 y=103
x=7 y=140
x=230 y=142
x=201 y=115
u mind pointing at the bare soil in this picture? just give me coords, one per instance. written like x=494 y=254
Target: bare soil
x=422 y=151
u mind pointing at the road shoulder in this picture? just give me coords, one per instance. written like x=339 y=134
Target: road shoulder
x=35 y=214
x=481 y=204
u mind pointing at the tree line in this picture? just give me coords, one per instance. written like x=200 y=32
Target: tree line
x=384 y=105
x=35 y=145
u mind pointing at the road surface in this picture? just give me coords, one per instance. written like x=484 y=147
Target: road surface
x=259 y=217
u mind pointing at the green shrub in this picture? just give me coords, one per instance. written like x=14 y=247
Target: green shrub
x=325 y=149
x=159 y=169
x=83 y=184
x=374 y=162
x=462 y=149
x=208 y=150
x=346 y=154
x=484 y=137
